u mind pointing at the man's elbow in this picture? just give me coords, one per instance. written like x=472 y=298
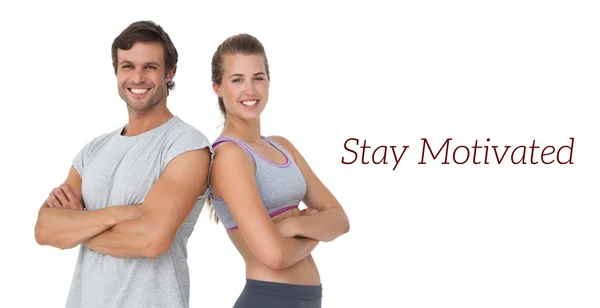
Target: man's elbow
x=41 y=235
x=45 y=237
x=156 y=245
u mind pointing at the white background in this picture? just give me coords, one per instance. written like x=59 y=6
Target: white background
x=421 y=236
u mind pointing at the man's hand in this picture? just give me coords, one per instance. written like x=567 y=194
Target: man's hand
x=63 y=197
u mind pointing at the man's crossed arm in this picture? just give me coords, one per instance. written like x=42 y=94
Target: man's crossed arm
x=146 y=230
x=63 y=224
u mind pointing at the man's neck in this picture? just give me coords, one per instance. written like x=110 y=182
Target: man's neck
x=141 y=122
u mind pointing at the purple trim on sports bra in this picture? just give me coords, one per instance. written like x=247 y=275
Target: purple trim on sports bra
x=280 y=211
x=288 y=160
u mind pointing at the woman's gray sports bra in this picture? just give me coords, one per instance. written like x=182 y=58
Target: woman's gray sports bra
x=281 y=186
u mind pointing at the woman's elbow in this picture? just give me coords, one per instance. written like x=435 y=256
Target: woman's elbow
x=273 y=259
x=346 y=228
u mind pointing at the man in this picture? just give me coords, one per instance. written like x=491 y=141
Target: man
x=133 y=196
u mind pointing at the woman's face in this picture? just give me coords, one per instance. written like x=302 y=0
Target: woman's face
x=244 y=87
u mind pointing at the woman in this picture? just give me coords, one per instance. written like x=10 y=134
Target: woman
x=257 y=183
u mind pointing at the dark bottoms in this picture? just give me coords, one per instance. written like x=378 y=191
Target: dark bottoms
x=266 y=294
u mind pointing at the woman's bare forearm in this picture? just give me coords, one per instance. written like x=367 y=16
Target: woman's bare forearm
x=324 y=226
x=297 y=249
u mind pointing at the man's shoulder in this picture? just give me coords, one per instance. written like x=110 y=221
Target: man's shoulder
x=183 y=137
x=183 y=129
x=99 y=140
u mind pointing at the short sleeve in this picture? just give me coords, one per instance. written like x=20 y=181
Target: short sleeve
x=87 y=153
x=79 y=161
x=189 y=141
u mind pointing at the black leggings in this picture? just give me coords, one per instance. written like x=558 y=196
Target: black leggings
x=266 y=294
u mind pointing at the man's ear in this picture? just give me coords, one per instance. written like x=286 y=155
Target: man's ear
x=171 y=73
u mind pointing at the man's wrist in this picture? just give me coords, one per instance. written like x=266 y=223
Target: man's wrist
x=119 y=214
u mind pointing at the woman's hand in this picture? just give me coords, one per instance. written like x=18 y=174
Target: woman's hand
x=288 y=227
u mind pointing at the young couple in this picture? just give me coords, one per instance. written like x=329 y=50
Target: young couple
x=133 y=196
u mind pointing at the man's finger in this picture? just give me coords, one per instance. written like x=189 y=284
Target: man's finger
x=48 y=200
x=68 y=192
x=60 y=195
x=74 y=202
x=53 y=201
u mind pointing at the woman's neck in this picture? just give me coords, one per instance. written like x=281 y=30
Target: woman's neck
x=246 y=131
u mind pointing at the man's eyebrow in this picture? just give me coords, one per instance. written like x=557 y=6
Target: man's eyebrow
x=147 y=63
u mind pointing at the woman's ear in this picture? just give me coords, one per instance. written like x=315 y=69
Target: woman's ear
x=216 y=89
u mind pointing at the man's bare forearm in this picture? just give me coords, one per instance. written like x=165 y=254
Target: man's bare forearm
x=130 y=239
x=64 y=228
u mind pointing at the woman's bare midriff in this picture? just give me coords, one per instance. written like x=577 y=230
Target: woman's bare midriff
x=304 y=272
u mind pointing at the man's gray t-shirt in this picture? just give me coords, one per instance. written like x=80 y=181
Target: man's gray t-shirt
x=119 y=170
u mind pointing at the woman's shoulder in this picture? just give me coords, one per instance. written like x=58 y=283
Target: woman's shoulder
x=231 y=151
x=282 y=141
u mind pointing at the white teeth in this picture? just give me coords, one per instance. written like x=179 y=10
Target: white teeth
x=139 y=91
x=249 y=103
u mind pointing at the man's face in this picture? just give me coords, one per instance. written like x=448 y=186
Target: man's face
x=141 y=75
